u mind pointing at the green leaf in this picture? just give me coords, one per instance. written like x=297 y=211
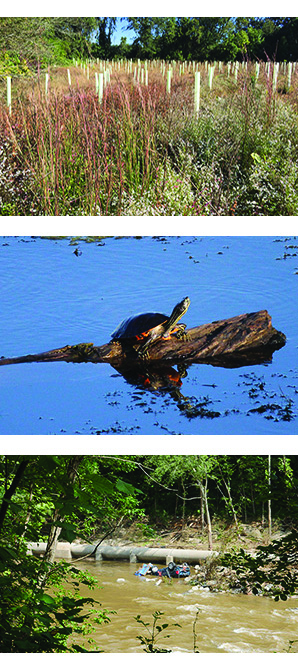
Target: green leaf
x=6 y=554
x=256 y=157
x=69 y=532
x=101 y=484
x=14 y=506
x=126 y=488
x=48 y=463
x=47 y=599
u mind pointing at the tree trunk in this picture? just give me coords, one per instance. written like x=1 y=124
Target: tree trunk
x=252 y=500
x=183 y=503
x=229 y=501
x=269 y=499
x=204 y=490
x=263 y=514
x=208 y=517
x=11 y=490
x=202 y=506
x=55 y=529
x=244 y=505
x=28 y=515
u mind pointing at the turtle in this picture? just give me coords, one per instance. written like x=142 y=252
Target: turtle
x=152 y=326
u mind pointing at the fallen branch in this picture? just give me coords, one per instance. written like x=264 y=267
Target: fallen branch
x=233 y=341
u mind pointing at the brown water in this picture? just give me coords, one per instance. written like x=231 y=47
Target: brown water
x=226 y=622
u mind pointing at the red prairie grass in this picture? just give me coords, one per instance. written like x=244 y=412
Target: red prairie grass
x=75 y=155
x=82 y=155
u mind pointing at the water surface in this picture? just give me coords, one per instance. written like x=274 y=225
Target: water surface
x=226 y=622
x=52 y=297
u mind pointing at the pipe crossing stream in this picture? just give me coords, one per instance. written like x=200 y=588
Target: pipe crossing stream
x=127 y=553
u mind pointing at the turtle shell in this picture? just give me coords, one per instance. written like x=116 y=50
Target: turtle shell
x=138 y=326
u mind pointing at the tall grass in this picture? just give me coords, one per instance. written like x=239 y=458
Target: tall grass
x=143 y=150
x=81 y=156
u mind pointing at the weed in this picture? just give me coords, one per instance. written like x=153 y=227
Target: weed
x=149 y=641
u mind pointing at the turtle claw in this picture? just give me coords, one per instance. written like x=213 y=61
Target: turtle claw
x=181 y=335
x=141 y=353
x=144 y=355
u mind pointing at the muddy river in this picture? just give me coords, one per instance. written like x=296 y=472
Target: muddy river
x=226 y=622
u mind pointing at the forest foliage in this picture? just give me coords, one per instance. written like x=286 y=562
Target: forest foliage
x=38 y=41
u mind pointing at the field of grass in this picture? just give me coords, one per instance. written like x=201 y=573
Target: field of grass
x=142 y=150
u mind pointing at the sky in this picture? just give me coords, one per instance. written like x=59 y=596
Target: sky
x=121 y=31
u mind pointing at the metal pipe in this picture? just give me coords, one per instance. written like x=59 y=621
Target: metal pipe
x=133 y=554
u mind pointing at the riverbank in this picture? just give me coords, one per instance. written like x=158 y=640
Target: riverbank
x=188 y=534
x=214 y=573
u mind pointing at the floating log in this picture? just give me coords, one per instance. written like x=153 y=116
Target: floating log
x=239 y=340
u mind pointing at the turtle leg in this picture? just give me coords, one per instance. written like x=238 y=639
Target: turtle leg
x=143 y=353
x=180 y=333
x=182 y=369
x=143 y=350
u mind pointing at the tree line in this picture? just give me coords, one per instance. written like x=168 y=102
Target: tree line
x=34 y=41
x=89 y=493
x=212 y=38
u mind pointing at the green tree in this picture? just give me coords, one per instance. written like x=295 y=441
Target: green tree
x=147 y=29
x=42 y=40
x=243 y=40
x=74 y=33
x=105 y=27
x=273 y=569
x=187 y=470
x=47 y=497
x=226 y=468
x=25 y=38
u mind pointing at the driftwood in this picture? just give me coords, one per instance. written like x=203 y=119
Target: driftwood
x=240 y=340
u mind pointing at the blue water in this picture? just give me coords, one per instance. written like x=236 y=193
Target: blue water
x=51 y=297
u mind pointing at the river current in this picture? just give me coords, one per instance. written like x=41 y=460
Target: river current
x=226 y=622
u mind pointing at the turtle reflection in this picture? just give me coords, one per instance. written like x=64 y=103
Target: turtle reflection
x=167 y=380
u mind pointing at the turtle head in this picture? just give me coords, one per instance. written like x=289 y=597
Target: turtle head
x=181 y=307
x=178 y=312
